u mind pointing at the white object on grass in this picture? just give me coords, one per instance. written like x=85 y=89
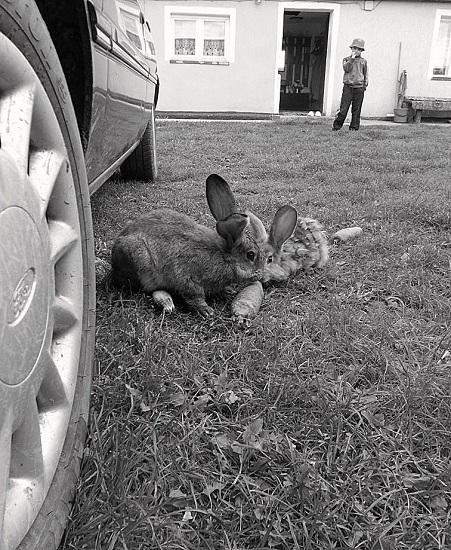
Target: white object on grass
x=346 y=234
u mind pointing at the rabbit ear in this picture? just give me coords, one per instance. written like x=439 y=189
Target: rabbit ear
x=232 y=228
x=256 y=228
x=220 y=197
x=282 y=226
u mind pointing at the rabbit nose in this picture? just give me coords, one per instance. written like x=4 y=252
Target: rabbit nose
x=258 y=275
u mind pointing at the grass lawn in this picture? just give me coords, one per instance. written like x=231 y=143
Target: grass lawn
x=326 y=423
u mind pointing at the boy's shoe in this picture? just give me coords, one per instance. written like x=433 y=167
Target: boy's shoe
x=318 y=113
x=310 y=113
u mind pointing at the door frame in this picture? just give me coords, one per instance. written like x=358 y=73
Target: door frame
x=331 y=52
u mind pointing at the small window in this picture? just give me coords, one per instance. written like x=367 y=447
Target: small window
x=131 y=26
x=200 y=35
x=200 y=39
x=441 y=48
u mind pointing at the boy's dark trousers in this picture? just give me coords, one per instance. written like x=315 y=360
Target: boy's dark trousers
x=354 y=96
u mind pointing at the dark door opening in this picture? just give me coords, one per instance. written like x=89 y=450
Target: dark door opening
x=305 y=45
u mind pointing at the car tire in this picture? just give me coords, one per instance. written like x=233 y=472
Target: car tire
x=47 y=286
x=142 y=162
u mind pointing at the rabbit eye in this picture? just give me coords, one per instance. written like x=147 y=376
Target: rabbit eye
x=250 y=256
x=269 y=260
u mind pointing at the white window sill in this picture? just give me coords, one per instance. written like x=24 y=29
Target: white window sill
x=197 y=62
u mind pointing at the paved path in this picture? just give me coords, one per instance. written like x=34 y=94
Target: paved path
x=227 y=117
x=371 y=121
x=363 y=122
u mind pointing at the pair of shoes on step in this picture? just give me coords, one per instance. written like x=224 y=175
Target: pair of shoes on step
x=311 y=113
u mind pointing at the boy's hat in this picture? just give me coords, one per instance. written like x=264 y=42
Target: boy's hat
x=358 y=43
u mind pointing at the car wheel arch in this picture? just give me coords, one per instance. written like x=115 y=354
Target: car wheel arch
x=73 y=46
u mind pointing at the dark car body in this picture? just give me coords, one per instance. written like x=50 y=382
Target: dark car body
x=108 y=57
x=123 y=55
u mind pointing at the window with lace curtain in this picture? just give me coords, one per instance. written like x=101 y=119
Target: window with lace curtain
x=200 y=37
x=441 y=47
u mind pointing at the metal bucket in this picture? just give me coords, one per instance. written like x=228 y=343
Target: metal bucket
x=401 y=114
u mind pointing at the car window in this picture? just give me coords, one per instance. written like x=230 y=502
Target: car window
x=129 y=18
x=128 y=23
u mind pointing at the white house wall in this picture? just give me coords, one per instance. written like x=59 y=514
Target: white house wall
x=246 y=85
x=398 y=37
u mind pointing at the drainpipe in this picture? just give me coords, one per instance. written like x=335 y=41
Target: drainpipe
x=397 y=72
x=390 y=115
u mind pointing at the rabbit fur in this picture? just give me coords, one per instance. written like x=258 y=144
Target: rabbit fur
x=166 y=250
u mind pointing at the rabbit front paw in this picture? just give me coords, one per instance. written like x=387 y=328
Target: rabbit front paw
x=205 y=310
x=164 y=300
x=198 y=303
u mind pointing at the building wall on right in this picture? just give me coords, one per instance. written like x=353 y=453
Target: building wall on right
x=399 y=37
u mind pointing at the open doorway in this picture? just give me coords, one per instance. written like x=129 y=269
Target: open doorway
x=304 y=42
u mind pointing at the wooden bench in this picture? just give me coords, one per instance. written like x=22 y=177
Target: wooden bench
x=420 y=104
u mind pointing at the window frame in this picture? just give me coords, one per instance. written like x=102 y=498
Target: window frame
x=200 y=15
x=438 y=18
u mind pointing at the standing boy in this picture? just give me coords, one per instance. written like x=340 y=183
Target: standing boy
x=355 y=82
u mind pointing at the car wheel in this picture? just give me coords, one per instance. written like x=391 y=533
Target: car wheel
x=142 y=162
x=47 y=286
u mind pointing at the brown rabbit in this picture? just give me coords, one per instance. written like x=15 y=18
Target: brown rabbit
x=168 y=251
